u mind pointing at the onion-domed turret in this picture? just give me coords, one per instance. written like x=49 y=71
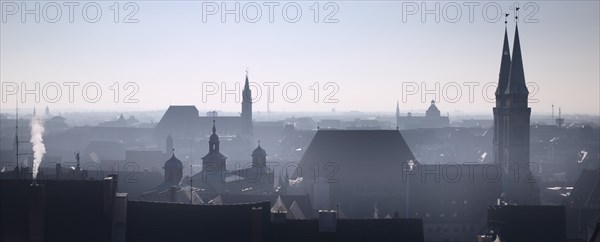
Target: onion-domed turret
x=259 y=151
x=173 y=169
x=259 y=157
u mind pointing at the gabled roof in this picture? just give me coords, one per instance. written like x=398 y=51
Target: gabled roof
x=176 y=116
x=355 y=152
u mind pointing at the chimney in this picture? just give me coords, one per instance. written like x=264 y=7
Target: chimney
x=173 y=194
x=327 y=221
x=257 y=224
x=119 y=217
x=115 y=178
x=108 y=194
x=37 y=213
x=58 y=171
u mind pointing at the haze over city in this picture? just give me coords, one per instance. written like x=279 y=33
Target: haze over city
x=300 y=121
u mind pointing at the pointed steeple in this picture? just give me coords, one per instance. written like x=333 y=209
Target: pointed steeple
x=247 y=95
x=246 y=124
x=397 y=109
x=516 y=82
x=213 y=141
x=504 y=67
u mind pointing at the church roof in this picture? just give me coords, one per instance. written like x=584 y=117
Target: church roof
x=355 y=152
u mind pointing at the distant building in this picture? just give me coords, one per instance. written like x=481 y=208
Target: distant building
x=432 y=119
x=184 y=122
x=120 y=122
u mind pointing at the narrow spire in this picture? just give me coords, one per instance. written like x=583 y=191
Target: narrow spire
x=397 y=108
x=516 y=80
x=246 y=95
x=504 y=66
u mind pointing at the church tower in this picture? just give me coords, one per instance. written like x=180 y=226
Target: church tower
x=499 y=110
x=214 y=160
x=247 y=128
x=512 y=115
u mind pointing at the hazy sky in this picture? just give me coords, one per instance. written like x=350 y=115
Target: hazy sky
x=364 y=60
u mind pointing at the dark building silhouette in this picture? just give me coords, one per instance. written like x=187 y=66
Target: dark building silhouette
x=259 y=157
x=511 y=128
x=528 y=223
x=62 y=211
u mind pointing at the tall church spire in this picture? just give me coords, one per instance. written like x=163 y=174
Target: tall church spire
x=504 y=68
x=246 y=124
x=512 y=135
x=516 y=82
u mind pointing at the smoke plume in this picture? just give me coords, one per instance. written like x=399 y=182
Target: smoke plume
x=37 y=141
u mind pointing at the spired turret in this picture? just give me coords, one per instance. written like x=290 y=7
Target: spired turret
x=214 y=160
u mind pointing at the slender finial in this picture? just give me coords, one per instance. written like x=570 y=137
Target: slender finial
x=258 y=143
x=517 y=14
x=506 y=18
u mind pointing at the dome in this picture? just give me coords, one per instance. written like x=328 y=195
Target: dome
x=173 y=162
x=259 y=151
